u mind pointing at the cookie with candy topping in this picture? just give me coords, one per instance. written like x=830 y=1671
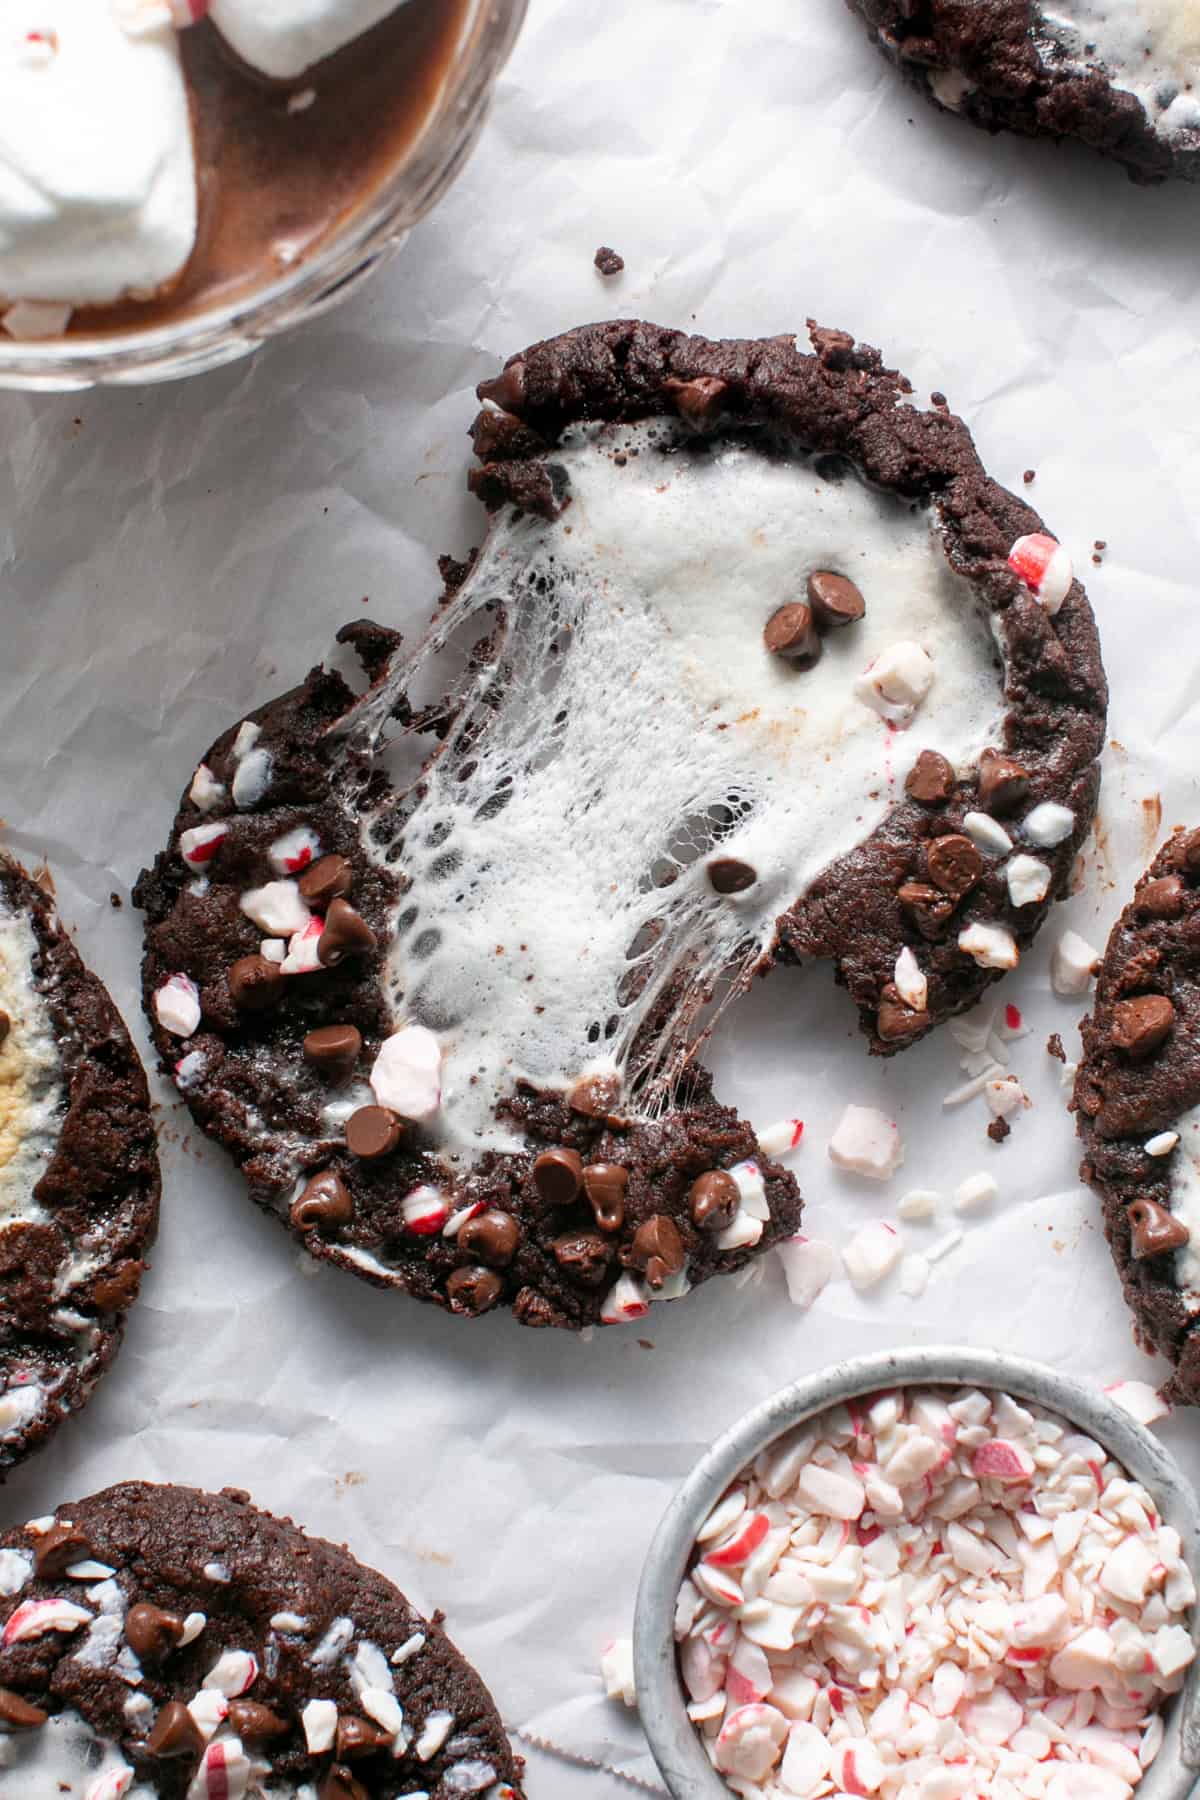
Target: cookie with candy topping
x=1118 y=75
x=79 y=1181
x=160 y=1641
x=761 y=666
x=1137 y=1106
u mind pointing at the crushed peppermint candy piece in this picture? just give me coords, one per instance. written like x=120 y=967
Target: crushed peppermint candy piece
x=424 y=1211
x=177 y=1005
x=808 y=1264
x=34 y=1618
x=914 y=1275
x=975 y=1192
x=319 y=1719
x=917 y=1204
x=986 y=833
x=193 y=1625
x=991 y=946
x=233 y=1673
x=294 y=851
x=912 y=985
x=1045 y=568
x=252 y=778
x=206 y=792
x=1048 y=824
x=910 y=1610
x=872 y=1253
x=1161 y=1144
x=200 y=843
x=782 y=1137
x=303 y=950
x=616 y=1671
x=627 y=1300
x=1072 y=965
x=278 y=908
x=1005 y=1096
x=1139 y=1398
x=866 y=1142
x=224 y=1772
x=896 y=682
x=1028 y=880
x=406 y=1076
x=434 y=1732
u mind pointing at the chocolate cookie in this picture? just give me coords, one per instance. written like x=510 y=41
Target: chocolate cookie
x=771 y=670
x=1137 y=1106
x=79 y=1181
x=162 y=1641
x=1120 y=75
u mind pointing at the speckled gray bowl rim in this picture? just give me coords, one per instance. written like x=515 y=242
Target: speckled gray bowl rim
x=673 y=1740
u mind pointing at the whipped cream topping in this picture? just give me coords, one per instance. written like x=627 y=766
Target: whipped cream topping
x=560 y=855
x=31 y=1085
x=97 y=176
x=284 y=38
x=1149 y=48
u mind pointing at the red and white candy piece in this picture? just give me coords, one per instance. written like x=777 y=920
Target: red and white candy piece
x=807 y=1266
x=1045 y=568
x=199 y=844
x=998 y=1460
x=233 y=1673
x=34 y=1618
x=224 y=1773
x=278 y=908
x=866 y=1142
x=991 y=946
x=458 y=1219
x=778 y=1139
x=294 y=851
x=627 y=1299
x=424 y=1211
x=206 y=792
x=749 y=1742
x=112 y=1784
x=319 y=1719
x=741 y=1546
x=1138 y=1397
x=872 y=1253
x=896 y=682
x=616 y=1671
x=303 y=949
x=210 y=1709
x=406 y=1076
x=177 y=1005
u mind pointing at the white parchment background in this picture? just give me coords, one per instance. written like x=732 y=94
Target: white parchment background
x=172 y=557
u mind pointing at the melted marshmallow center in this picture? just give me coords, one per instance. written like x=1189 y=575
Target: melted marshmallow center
x=31 y=1090
x=1149 y=48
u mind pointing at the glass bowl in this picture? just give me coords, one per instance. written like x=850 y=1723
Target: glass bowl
x=221 y=334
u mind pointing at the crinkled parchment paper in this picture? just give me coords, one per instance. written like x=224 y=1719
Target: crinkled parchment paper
x=171 y=557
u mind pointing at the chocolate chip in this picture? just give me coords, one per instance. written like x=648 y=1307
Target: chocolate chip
x=714 y=1200
x=58 y=1548
x=557 y=1176
x=1003 y=782
x=834 y=599
x=1155 y=1230
x=256 y=1724
x=5 y=1025
x=346 y=933
x=473 y=1290
x=329 y=878
x=333 y=1046
x=151 y=1632
x=1161 y=899
x=255 y=983
x=955 y=865
x=17 y=1713
x=895 y=1020
x=325 y=1200
x=729 y=876
x=926 y=907
x=595 y=1095
x=791 y=634
x=700 y=401
x=584 y=1255
x=492 y=1236
x=1183 y=851
x=507 y=389
x=931 y=779
x=340 y=1784
x=357 y=1737
x=114 y=1292
x=607 y=261
x=657 y=1249
x=1140 y=1025
x=372 y=1131
x=175 y=1732
x=605 y=1184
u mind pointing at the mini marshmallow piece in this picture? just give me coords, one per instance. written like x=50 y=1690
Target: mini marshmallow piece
x=206 y=792
x=807 y=1267
x=1139 y=1398
x=199 y=844
x=914 y=1276
x=986 y=833
x=975 y=1192
x=872 y=1253
x=749 y=1741
x=294 y=851
x=1044 y=567
x=177 y=1005
x=34 y=1618
x=896 y=682
x=1072 y=965
x=1161 y=1144
x=627 y=1300
x=1028 y=880
x=831 y=1494
x=991 y=946
x=424 y=1210
x=406 y=1075
x=1004 y=1096
x=282 y=41
x=233 y=1673
x=866 y=1143
x=278 y=908
x=1048 y=824
x=806 y=1760
x=252 y=778
x=616 y=1669
x=918 y=1203
x=911 y=984
x=778 y=1139
x=319 y=1719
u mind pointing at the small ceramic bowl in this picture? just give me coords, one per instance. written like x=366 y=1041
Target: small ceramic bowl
x=677 y=1748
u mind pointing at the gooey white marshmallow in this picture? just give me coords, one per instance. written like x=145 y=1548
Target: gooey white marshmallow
x=283 y=38
x=97 y=172
x=407 y=1074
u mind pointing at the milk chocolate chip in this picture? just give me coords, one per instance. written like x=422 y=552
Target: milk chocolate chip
x=605 y=1184
x=926 y=907
x=330 y=878
x=698 y=401
x=17 y=1714
x=372 y=1131
x=895 y=1020
x=584 y=1255
x=58 y=1548
x=1154 y=1230
x=175 y=1732
x=115 y=1291
x=729 y=876
x=256 y=984
x=473 y=1290
x=955 y=865
x=151 y=1632
x=333 y=1046
x=558 y=1176
x=1140 y=1025
x=324 y=1201
x=595 y=1096
x=1184 y=850
x=1003 y=782
x=256 y=1724
x=357 y=1737
x=657 y=1249
x=930 y=781
x=714 y=1200
x=791 y=635
x=506 y=390
x=492 y=1236
x=346 y=933
x=834 y=599
x=1161 y=899
x=340 y=1784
